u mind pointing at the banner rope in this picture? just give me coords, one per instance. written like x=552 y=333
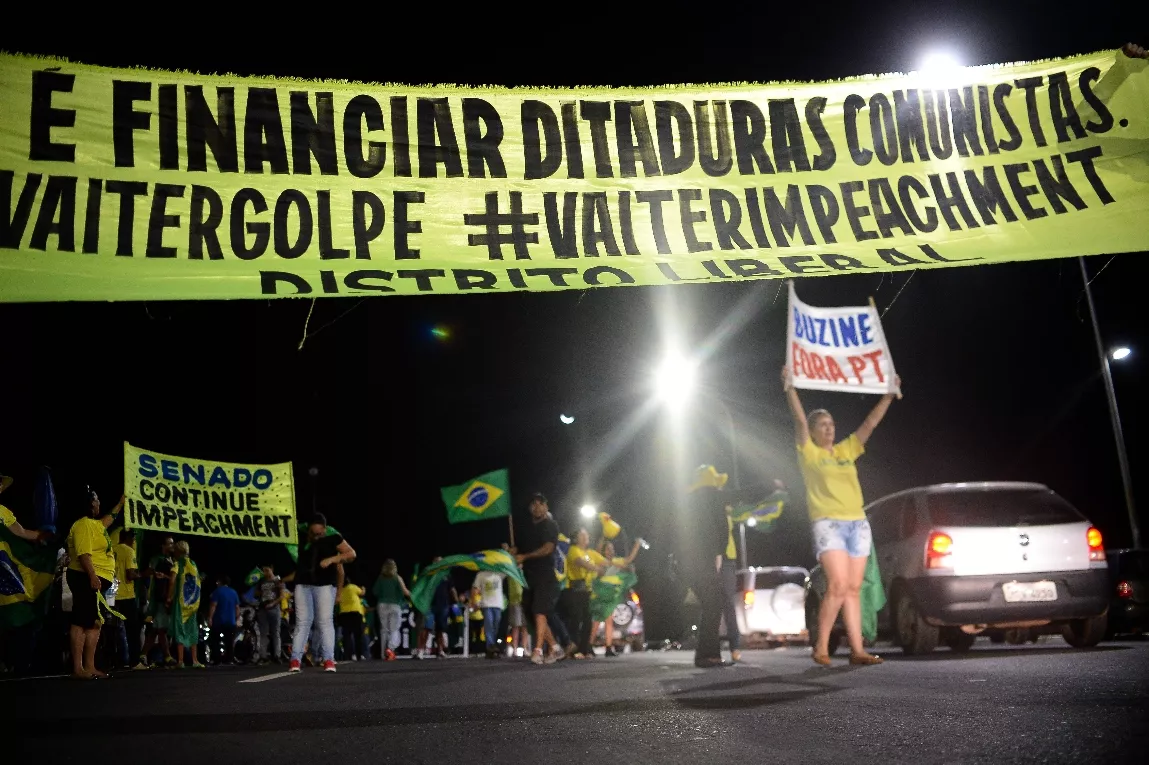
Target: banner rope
x=904 y=284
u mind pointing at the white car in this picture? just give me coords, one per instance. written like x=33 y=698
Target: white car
x=961 y=559
x=773 y=604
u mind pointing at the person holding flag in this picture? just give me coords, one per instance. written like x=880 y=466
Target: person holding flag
x=610 y=589
x=182 y=602
x=842 y=538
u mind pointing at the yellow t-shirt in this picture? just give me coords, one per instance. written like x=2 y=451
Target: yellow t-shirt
x=88 y=536
x=577 y=573
x=731 y=550
x=125 y=559
x=349 y=599
x=6 y=517
x=832 y=488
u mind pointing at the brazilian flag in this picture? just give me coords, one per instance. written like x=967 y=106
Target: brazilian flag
x=608 y=591
x=764 y=513
x=499 y=561
x=487 y=496
x=26 y=573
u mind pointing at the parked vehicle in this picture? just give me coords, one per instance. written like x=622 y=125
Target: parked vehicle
x=773 y=604
x=1128 y=592
x=963 y=559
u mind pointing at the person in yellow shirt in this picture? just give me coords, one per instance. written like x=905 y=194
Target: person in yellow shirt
x=127 y=572
x=583 y=564
x=842 y=540
x=91 y=568
x=8 y=520
x=351 y=611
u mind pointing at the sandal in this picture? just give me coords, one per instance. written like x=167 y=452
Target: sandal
x=822 y=659
x=864 y=659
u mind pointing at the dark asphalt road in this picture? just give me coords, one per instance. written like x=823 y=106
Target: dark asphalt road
x=1044 y=703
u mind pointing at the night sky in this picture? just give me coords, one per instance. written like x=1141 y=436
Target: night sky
x=1000 y=372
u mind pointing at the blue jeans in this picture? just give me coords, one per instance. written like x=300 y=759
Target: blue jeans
x=491 y=619
x=314 y=605
x=851 y=536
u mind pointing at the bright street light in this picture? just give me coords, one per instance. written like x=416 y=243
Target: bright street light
x=1120 y=353
x=940 y=69
x=939 y=63
x=751 y=522
x=587 y=511
x=674 y=379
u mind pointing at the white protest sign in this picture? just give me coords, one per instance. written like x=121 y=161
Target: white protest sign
x=838 y=349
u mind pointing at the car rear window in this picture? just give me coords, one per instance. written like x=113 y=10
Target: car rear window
x=1134 y=565
x=1000 y=507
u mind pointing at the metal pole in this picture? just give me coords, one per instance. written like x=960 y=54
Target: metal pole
x=742 y=535
x=1114 y=417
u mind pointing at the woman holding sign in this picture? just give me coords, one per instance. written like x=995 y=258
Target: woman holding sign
x=842 y=541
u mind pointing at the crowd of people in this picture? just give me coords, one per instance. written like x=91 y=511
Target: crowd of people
x=121 y=616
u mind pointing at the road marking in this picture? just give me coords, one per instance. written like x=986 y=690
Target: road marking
x=265 y=678
x=36 y=677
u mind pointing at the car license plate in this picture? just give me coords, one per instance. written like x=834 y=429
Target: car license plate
x=1028 y=592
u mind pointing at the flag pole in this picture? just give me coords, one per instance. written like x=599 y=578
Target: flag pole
x=882 y=336
x=511 y=527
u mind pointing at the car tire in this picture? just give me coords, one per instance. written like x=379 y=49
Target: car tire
x=914 y=635
x=1085 y=633
x=959 y=642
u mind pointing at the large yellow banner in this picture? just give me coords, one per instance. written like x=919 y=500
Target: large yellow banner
x=182 y=495
x=126 y=184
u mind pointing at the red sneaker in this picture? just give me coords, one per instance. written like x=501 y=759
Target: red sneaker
x=294 y=667
x=329 y=666
x=389 y=656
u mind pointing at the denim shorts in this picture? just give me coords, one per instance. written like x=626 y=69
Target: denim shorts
x=852 y=536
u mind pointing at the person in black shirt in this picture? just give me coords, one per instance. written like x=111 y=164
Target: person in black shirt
x=703 y=549
x=316 y=576
x=539 y=568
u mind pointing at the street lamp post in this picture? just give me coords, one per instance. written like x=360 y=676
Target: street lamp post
x=1114 y=416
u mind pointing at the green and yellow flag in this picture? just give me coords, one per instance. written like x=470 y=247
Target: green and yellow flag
x=761 y=515
x=487 y=496
x=499 y=561
x=26 y=571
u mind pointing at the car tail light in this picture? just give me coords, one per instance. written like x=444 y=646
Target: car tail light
x=748 y=598
x=1096 y=548
x=939 y=550
x=1124 y=590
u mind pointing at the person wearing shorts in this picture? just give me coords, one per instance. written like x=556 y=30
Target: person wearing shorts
x=841 y=533
x=542 y=586
x=91 y=569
